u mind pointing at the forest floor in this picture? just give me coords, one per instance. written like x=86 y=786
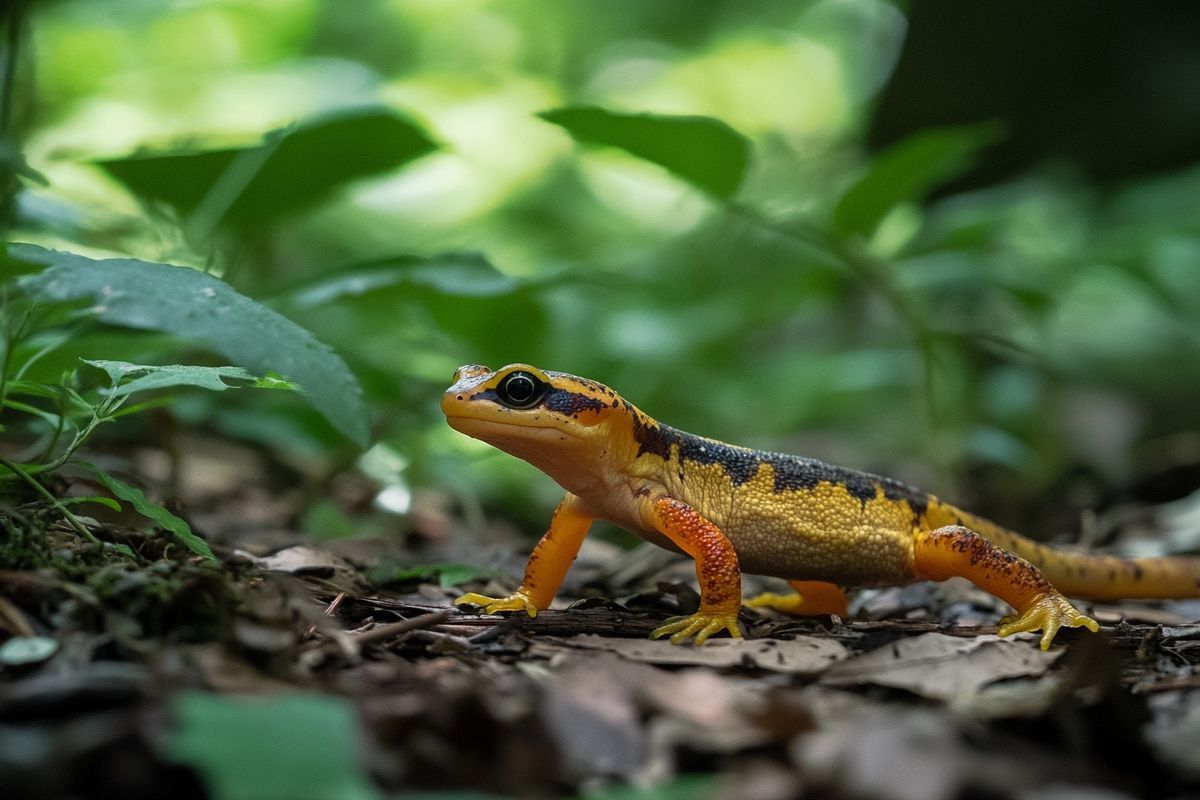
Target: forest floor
x=296 y=668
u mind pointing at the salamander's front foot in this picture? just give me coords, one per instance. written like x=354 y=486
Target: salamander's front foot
x=699 y=626
x=517 y=601
x=1048 y=613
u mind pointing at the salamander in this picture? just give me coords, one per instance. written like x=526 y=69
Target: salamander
x=733 y=509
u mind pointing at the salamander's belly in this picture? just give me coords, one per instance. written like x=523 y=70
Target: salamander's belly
x=823 y=533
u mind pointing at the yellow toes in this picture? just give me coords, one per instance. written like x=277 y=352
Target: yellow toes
x=1048 y=613
x=698 y=626
x=517 y=601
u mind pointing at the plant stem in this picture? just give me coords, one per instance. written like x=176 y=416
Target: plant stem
x=71 y=519
x=9 y=152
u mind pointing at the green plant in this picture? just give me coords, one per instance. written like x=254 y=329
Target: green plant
x=53 y=307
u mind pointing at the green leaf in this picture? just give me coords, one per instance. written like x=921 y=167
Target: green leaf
x=463 y=275
x=123 y=549
x=107 y=502
x=292 y=169
x=682 y=787
x=151 y=510
x=205 y=310
x=280 y=747
x=45 y=416
x=907 y=171
x=703 y=151
x=27 y=650
x=162 y=377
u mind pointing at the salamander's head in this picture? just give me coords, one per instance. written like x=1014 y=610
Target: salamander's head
x=553 y=420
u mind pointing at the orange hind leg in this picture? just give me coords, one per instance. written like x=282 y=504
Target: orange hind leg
x=955 y=551
x=811 y=598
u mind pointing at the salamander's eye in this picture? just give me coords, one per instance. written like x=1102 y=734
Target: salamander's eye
x=520 y=390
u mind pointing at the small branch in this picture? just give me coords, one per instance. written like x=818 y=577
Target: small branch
x=382 y=633
x=71 y=519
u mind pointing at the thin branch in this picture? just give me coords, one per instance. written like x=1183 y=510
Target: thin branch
x=71 y=519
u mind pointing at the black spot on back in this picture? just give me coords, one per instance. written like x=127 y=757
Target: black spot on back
x=792 y=473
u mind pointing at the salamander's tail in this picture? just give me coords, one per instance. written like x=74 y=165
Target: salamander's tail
x=1097 y=577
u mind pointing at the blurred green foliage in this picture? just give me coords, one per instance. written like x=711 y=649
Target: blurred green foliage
x=673 y=198
x=271 y=748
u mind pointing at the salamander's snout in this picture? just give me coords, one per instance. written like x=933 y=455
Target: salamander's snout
x=465 y=383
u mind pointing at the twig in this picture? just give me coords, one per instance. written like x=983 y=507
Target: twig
x=394 y=629
x=328 y=612
x=13 y=620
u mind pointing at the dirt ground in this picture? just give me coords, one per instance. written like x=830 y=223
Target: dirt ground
x=312 y=669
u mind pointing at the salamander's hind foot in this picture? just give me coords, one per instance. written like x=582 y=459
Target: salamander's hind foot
x=810 y=599
x=699 y=626
x=1047 y=613
x=783 y=603
x=517 y=601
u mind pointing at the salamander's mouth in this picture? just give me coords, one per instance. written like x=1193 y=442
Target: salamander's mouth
x=524 y=428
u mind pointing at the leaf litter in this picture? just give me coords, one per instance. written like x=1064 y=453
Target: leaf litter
x=351 y=661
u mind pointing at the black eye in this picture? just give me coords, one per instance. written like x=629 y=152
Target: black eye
x=520 y=390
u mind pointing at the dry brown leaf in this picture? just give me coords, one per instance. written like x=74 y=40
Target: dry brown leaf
x=303 y=559
x=1174 y=732
x=314 y=563
x=592 y=713
x=942 y=667
x=805 y=655
x=901 y=752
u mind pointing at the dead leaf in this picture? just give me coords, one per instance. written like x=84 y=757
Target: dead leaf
x=312 y=562
x=1111 y=614
x=1029 y=698
x=303 y=559
x=22 y=650
x=592 y=713
x=1174 y=731
x=942 y=667
x=804 y=655
x=899 y=752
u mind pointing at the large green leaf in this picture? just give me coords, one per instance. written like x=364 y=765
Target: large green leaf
x=205 y=310
x=271 y=748
x=457 y=274
x=703 y=151
x=293 y=168
x=907 y=171
x=171 y=375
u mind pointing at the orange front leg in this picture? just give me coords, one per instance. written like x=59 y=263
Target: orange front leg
x=716 y=570
x=547 y=566
x=957 y=551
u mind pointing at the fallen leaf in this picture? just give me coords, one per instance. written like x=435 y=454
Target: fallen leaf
x=303 y=559
x=1029 y=698
x=1175 y=729
x=942 y=667
x=312 y=562
x=27 y=650
x=804 y=655
x=902 y=752
x=592 y=713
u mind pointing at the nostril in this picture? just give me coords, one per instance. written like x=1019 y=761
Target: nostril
x=460 y=397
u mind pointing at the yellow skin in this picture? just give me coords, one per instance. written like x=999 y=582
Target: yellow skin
x=737 y=510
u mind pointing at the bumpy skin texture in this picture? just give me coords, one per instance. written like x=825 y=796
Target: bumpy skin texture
x=734 y=509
